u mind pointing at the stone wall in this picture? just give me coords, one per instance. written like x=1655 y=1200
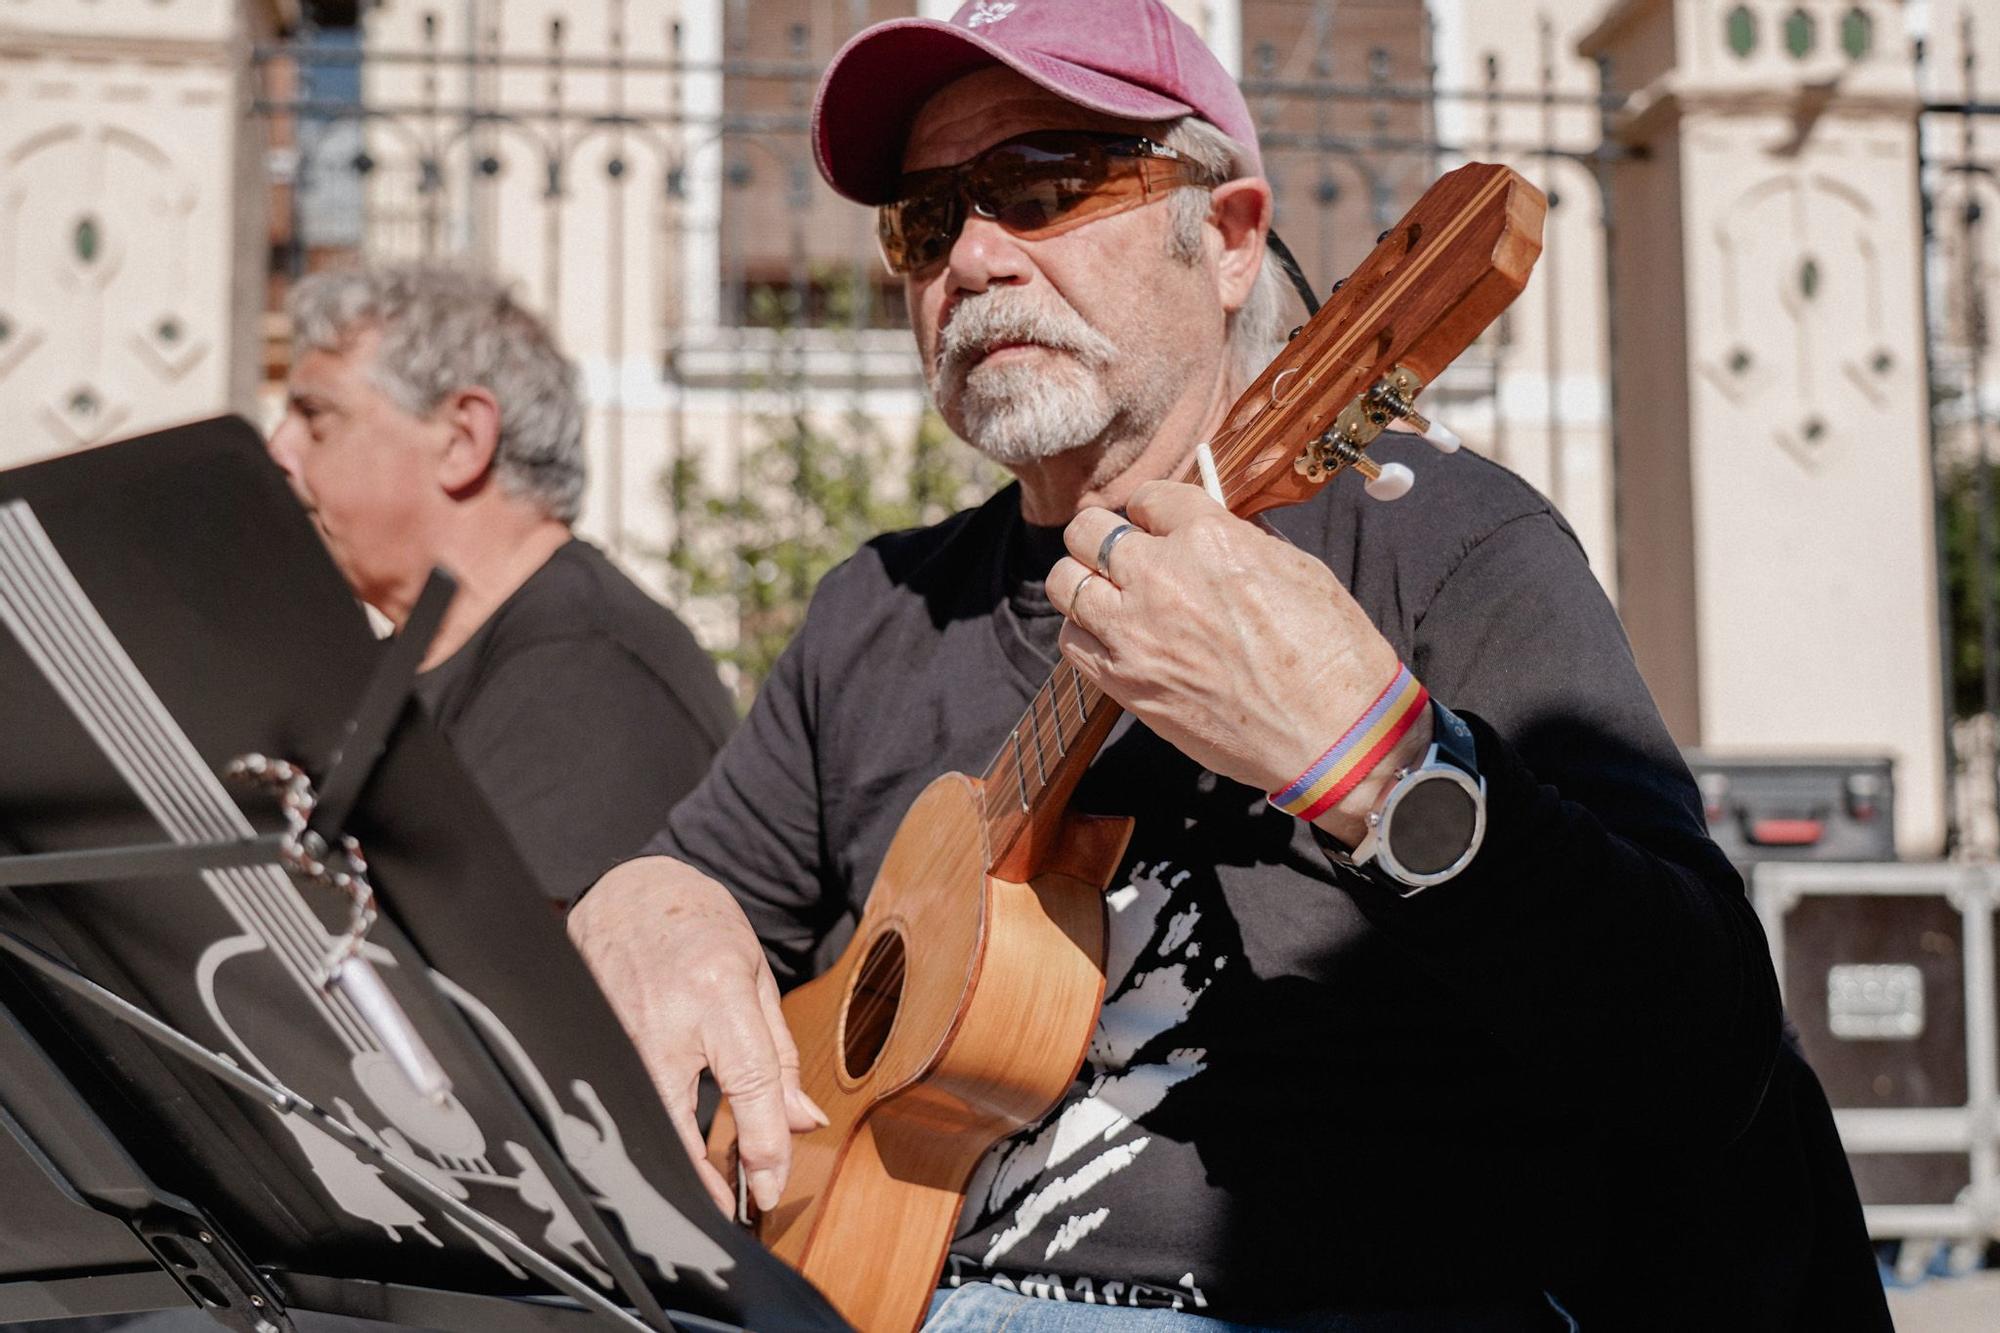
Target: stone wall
x=131 y=217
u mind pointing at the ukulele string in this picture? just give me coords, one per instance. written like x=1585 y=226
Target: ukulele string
x=1007 y=779
x=1069 y=708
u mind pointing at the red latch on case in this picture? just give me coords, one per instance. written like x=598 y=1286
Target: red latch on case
x=1786 y=832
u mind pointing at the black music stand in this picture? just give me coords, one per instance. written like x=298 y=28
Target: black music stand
x=456 y=1134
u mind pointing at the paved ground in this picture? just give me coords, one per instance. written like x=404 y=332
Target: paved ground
x=1969 y=1304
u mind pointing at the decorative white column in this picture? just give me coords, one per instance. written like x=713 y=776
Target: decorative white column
x=132 y=217
x=1775 y=489
x=700 y=236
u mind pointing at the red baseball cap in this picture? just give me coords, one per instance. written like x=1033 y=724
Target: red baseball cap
x=1134 y=59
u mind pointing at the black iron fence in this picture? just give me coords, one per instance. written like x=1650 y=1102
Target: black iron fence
x=1960 y=174
x=650 y=184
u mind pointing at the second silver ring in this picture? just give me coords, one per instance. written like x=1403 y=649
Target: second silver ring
x=1111 y=539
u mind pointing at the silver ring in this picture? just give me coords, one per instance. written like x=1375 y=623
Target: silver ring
x=1076 y=594
x=1111 y=539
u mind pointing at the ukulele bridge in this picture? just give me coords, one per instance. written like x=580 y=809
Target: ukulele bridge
x=1345 y=443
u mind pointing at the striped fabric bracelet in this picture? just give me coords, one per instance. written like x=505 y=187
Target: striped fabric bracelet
x=1354 y=756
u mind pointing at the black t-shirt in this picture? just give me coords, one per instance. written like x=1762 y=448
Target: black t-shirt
x=583 y=710
x=1305 y=1093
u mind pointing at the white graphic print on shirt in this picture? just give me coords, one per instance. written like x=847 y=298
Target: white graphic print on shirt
x=1157 y=969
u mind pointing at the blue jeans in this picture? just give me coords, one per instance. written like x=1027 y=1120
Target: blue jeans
x=980 y=1307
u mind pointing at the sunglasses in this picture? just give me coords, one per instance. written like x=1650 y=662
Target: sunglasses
x=1034 y=185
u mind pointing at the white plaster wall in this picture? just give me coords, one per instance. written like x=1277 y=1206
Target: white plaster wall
x=1805 y=394
x=136 y=24
x=129 y=199
x=1814 y=561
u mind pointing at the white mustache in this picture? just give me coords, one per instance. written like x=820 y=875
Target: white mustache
x=1000 y=315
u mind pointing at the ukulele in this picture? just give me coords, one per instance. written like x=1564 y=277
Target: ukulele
x=962 y=1009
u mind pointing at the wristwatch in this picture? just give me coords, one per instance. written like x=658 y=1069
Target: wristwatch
x=1429 y=823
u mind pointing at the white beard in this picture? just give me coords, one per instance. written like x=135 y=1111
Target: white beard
x=1019 y=412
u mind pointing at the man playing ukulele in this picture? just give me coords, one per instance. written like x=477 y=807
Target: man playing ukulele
x=1470 y=1066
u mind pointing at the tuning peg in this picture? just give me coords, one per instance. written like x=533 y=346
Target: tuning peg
x=1391 y=481
x=1397 y=393
x=1383 y=481
x=1439 y=436
x=1434 y=433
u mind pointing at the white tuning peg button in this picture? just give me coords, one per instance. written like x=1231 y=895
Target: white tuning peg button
x=1442 y=438
x=1392 y=482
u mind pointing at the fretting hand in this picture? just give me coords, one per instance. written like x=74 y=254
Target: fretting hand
x=1236 y=648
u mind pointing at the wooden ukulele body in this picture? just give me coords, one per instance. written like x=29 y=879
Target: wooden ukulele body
x=960 y=1013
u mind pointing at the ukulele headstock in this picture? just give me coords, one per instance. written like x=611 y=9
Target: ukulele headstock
x=1434 y=281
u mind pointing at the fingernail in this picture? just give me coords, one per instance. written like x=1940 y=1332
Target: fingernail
x=764 y=1188
x=812 y=1109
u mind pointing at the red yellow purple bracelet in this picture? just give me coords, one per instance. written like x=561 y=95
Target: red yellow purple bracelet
x=1354 y=756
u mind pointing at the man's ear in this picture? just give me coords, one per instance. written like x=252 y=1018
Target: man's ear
x=472 y=415
x=1241 y=213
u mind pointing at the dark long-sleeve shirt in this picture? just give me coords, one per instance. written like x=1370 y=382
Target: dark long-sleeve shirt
x=1305 y=1093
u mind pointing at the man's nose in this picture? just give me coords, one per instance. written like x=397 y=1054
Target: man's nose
x=985 y=254
x=283 y=445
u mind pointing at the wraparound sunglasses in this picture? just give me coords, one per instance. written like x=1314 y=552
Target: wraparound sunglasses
x=1034 y=185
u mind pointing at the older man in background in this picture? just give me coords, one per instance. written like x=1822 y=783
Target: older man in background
x=432 y=421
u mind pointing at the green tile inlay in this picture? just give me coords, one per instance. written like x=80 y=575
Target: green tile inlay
x=1740 y=30
x=1801 y=31
x=1857 y=33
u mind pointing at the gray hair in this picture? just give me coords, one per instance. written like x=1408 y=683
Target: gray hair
x=1255 y=331
x=443 y=328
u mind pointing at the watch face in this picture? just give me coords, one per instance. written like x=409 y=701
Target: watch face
x=1434 y=826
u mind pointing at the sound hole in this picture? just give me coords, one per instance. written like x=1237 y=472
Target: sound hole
x=871 y=1005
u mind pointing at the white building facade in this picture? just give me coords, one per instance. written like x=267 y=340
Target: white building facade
x=1719 y=371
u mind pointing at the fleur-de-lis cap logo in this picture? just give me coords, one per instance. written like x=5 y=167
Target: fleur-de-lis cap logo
x=988 y=11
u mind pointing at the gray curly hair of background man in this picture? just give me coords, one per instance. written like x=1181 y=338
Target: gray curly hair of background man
x=445 y=327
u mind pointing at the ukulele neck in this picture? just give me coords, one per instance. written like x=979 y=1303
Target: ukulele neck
x=1029 y=783
x=1043 y=757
